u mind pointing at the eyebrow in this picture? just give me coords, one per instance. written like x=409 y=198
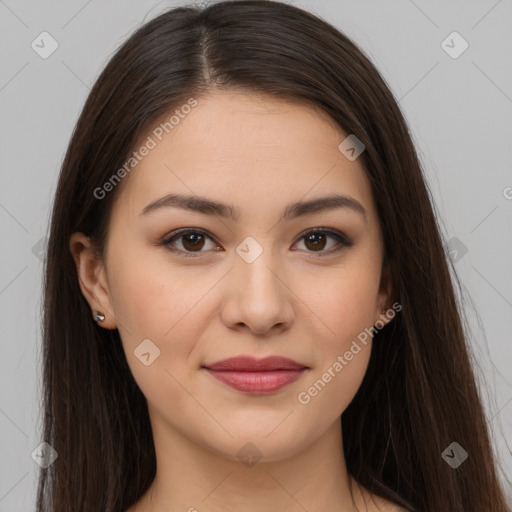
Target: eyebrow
x=293 y=210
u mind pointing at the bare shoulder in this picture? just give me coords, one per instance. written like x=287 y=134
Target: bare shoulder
x=371 y=502
x=383 y=505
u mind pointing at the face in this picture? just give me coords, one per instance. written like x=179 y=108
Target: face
x=274 y=280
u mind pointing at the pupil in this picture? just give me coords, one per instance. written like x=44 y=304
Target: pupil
x=316 y=243
x=193 y=238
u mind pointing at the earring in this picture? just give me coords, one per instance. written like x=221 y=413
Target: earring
x=99 y=317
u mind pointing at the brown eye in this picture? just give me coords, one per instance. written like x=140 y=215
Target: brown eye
x=316 y=241
x=191 y=240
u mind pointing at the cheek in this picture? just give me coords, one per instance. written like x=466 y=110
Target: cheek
x=154 y=302
x=345 y=312
x=149 y=296
x=333 y=385
x=344 y=301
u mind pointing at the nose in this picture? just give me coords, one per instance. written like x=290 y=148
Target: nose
x=257 y=296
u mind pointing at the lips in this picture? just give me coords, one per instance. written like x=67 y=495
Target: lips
x=250 y=364
x=257 y=376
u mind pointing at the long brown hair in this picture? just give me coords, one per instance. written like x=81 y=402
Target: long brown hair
x=419 y=393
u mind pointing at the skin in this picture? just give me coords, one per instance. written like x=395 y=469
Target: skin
x=257 y=154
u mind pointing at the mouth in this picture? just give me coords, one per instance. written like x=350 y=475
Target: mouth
x=256 y=376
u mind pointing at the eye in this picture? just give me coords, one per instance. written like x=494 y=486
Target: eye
x=192 y=241
x=315 y=239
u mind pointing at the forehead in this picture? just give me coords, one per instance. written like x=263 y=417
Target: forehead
x=246 y=149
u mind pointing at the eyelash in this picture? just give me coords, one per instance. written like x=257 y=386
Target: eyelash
x=343 y=241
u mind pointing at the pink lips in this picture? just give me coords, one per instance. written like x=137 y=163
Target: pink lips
x=257 y=376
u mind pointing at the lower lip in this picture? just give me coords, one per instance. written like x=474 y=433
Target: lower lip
x=257 y=382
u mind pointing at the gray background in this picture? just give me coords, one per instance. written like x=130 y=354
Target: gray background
x=459 y=111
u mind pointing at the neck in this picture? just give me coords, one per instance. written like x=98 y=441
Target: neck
x=193 y=478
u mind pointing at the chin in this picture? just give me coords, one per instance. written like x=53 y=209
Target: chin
x=261 y=444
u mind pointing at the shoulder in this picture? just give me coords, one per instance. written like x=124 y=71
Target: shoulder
x=384 y=505
x=372 y=502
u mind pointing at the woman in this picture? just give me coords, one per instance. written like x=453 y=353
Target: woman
x=202 y=335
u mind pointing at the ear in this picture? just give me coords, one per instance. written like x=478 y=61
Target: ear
x=92 y=278
x=384 y=296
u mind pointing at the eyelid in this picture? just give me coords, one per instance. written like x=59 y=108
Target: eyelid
x=341 y=238
x=182 y=231
x=344 y=242
x=166 y=242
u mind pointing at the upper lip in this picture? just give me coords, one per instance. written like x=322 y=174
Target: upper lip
x=251 y=364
